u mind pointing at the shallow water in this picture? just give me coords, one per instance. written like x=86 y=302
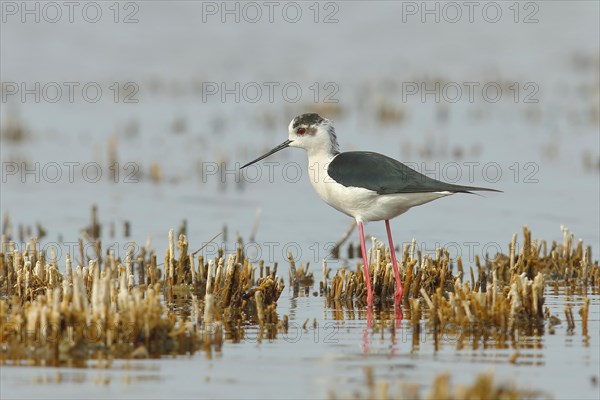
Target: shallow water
x=534 y=152
x=313 y=362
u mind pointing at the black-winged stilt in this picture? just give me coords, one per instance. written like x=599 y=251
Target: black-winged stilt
x=364 y=185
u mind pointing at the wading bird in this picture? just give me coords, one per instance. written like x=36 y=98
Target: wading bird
x=366 y=186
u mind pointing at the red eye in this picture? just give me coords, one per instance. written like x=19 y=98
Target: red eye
x=301 y=131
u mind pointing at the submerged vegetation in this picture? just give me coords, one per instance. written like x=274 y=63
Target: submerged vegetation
x=112 y=308
x=104 y=307
x=506 y=302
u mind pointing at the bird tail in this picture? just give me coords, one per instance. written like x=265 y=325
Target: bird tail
x=472 y=189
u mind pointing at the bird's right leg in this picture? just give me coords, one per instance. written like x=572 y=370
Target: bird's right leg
x=398 y=293
x=366 y=264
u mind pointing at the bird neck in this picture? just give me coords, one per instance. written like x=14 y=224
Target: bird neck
x=334 y=147
x=325 y=147
x=319 y=158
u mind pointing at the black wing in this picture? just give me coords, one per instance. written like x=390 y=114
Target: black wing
x=385 y=175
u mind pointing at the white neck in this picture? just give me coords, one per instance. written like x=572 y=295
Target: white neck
x=325 y=147
x=320 y=154
x=318 y=162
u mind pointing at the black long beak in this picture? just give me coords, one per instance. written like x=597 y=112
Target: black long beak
x=275 y=150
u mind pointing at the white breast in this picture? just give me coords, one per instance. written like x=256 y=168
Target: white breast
x=360 y=203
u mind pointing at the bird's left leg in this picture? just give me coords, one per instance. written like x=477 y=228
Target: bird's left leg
x=363 y=248
x=398 y=293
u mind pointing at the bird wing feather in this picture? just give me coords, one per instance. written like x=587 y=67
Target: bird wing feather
x=385 y=175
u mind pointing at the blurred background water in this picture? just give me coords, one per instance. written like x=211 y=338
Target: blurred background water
x=504 y=95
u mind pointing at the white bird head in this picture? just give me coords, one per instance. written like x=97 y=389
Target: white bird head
x=310 y=132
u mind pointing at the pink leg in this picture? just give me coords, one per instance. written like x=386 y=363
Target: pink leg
x=366 y=264
x=398 y=294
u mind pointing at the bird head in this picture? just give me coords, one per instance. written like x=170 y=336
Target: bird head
x=310 y=132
